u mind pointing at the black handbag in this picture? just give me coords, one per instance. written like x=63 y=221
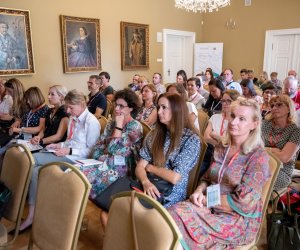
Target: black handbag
x=5 y=195
x=282 y=228
x=126 y=183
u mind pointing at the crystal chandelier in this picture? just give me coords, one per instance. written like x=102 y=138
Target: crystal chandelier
x=201 y=5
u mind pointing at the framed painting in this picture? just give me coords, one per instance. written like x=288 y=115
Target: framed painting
x=16 y=56
x=134 y=46
x=81 y=44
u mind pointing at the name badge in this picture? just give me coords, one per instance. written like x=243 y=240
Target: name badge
x=119 y=160
x=213 y=195
x=27 y=136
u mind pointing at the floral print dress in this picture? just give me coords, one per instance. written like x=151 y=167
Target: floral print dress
x=101 y=176
x=242 y=182
x=144 y=114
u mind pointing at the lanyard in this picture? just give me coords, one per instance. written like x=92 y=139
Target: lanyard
x=31 y=113
x=214 y=107
x=222 y=169
x=222 y=130
x=274 y=139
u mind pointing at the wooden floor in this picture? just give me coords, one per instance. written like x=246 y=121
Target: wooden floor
x=91 y=235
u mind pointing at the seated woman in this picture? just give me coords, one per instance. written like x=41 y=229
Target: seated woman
x=241 y=168
x=15 y=89
x=208 y=76
x=6 y=102
x=56 y=118
x=83 y=131
x=193 y=86
x=213 y=104
x=33 y=120
x=171 y=150
x=114 y=146
x=282 y=136
x=148 y=111
x=176 y=88
x=181 y=78
x=249 y=91
x=268 y=93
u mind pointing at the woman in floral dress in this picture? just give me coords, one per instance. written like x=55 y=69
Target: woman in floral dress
x=241 y=168
x=114 y=146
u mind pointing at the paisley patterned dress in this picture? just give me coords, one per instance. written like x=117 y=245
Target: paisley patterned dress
x=242 y=182
x=101 y=176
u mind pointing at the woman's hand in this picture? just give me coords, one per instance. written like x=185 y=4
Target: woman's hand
x=62 y=151
x=198 y=198
x=150 y=189
x=215 y=136
x=119 y=119
x=53 y=146
x=35 y=140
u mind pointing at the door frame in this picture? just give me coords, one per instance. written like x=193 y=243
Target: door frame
x=181 y=33
x=270 y=34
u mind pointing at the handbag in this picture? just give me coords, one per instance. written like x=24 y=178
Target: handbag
x=282 y=228
x=5 y=195
x=126 y=183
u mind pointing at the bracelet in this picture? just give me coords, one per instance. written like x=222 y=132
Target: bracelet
x=70 y=151
x=41 y=143
x=118 y=128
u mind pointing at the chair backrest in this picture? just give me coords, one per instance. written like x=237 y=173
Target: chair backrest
x=60 y=205
x=195 y=172
x=16 y=174
x=109 y=108
x=103 y=121
x=146 y=129
x=203 y=121
x=132 y=226
x=274 y=166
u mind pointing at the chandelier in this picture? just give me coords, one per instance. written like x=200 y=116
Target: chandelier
x=201 y=5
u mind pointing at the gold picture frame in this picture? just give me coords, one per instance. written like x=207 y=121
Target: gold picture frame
x=81 y=44
x=134 y=46
x=16 y=55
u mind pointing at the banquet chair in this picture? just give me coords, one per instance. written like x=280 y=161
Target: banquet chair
x=103 y=122
x=274 y=165
x=109 y=108
x=194 y=174
x=133 y=226
x=60 y=205
x=16 y=175
x=203 y=121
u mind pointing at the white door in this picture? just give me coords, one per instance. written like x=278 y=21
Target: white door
x=177 y=53
x=282 y=52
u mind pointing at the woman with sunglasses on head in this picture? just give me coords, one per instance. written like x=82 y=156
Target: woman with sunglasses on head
x=114 y=145
x=282 y=137
x=239 y=171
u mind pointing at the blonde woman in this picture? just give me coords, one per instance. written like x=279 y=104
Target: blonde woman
x=282 y=136
x=241 y=168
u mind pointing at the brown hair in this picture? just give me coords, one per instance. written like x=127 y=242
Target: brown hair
x=179 y=121
x=33 y=97
x=18 y=96
x=180 y=89
x=153 y=89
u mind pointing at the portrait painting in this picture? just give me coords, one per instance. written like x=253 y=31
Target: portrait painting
x=81 y=44
x=134 y=46
x=16 y=56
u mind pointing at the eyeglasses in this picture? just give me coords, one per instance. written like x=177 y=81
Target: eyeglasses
x=164 y=108
x=228 y=101
x=120 y=106
x=276 y=104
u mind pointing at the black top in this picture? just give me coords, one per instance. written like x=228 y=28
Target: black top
x=96 y=101
x=212 y=105
x=52 y=124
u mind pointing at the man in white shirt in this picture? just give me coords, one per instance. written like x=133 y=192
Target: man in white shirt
x=157 y=83
x=229 y=83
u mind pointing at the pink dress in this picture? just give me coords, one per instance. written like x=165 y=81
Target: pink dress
x=215 y=228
